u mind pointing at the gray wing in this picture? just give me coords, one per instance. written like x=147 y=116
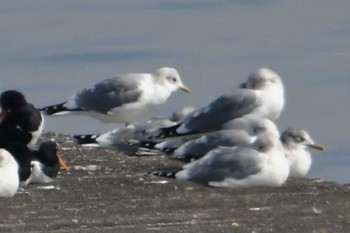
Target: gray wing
x=109 y=94
x=225 y=163
x=197 y=148
x=135 y=133
x=221 y=110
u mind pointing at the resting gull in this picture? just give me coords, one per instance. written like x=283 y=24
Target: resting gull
x=130 y=137
x=296 y=143
x=242 y=131
x=262 y=95
x=260 y=164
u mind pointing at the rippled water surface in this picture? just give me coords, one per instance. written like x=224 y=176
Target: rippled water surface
x=50 y=50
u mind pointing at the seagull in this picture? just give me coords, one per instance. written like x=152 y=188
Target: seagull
x=20 y=119
x=124 y=98
x=128 y=138
x=261 y=164
x=296 y=143
x=9 y=179
x=241 y=131
x=262 y=95
x=37 y=166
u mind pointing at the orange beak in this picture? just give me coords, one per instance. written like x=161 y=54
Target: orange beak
x=3 y=114
x=62 y=162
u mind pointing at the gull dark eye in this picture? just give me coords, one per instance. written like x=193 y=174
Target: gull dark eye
x=258 y=129
x=174 y=79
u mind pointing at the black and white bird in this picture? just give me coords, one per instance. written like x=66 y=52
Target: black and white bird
x=296 y=143
x=37 y=166
x=9 y=179
x=262 y=95
x=20 y=119
x=124 y=98
x=262 y=163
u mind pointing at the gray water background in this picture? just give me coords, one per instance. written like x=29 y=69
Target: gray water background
x=51 y=49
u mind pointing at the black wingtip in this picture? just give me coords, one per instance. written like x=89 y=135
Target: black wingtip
x=165 y=173
x=52 y=109
x=168 y=132
x=85 y=138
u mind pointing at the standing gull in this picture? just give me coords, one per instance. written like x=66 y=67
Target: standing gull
x=261 y=164
x=296 y=143
x=262 y=95
x=124 y=98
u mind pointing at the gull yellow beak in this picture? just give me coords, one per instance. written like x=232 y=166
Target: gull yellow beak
x=186 y=89
x=317 y=147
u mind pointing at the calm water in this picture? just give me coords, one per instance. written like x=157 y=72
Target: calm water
x=50 y=50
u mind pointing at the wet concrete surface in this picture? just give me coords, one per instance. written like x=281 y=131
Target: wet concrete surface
x=108 y=191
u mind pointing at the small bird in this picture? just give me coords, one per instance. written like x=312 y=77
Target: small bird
x=21 y=119
x=262 y=95
x=124 y=98
x=45 y=163
x=9 y=179
x=296 y=143
x=37 y=166
x=262 y=163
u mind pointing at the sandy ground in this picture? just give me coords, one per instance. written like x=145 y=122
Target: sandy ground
x=108 y=191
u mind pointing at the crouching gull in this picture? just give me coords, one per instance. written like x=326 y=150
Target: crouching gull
x=262 y=163
x=124 y=98
x=296 y=143
x=239 y=131
x=262 y=95
x=243 y=131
